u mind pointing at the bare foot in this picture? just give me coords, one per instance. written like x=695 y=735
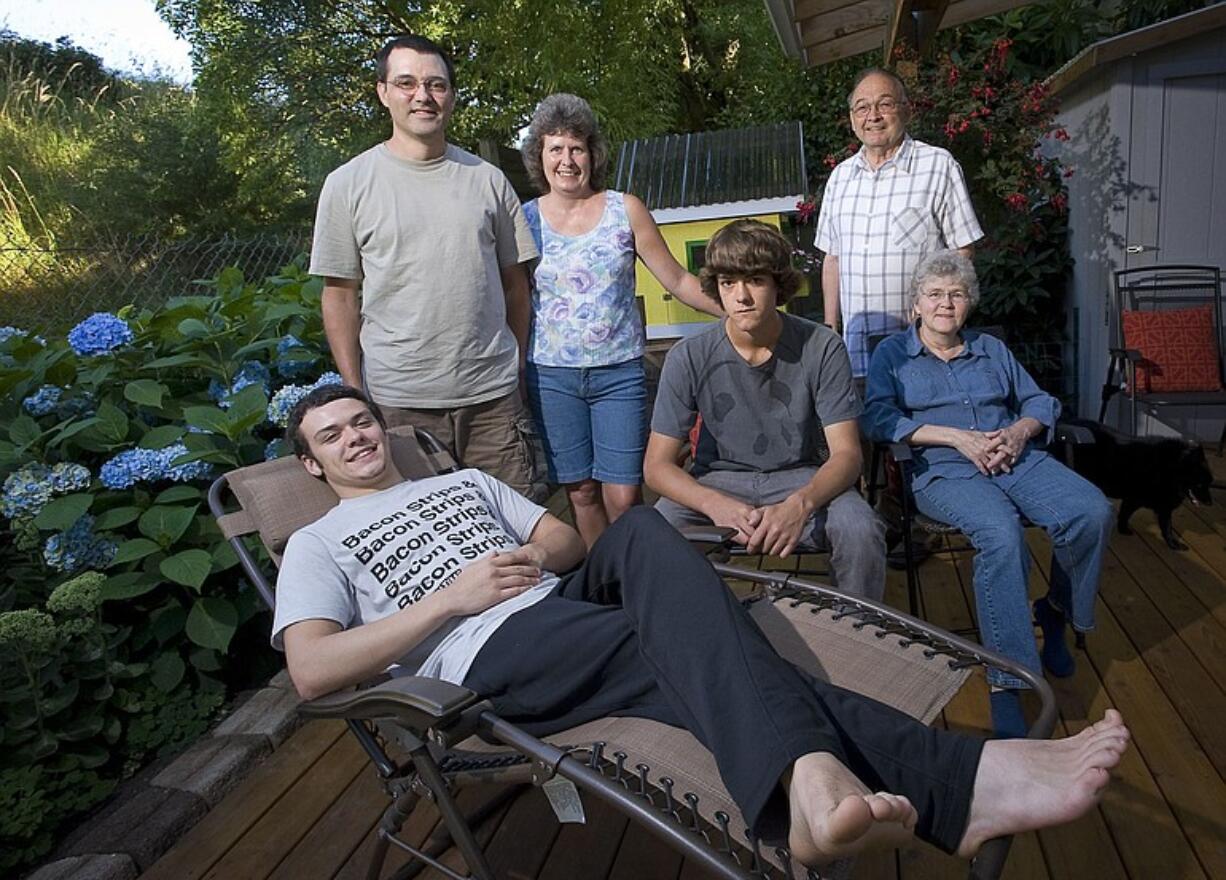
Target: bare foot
x=1026 y=784
x=834 y=815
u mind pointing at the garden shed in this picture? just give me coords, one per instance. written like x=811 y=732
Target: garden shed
x=695 y=183
x=1146 y=117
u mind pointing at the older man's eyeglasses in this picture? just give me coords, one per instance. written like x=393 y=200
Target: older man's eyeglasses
x=884 y=106
x=435 y=85
x=936 y=297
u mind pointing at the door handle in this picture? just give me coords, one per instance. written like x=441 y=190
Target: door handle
x=1139 y=248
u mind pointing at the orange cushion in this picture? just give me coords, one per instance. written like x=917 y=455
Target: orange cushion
x=1178 y=349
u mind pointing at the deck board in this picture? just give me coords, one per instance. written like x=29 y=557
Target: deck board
x=309 y=810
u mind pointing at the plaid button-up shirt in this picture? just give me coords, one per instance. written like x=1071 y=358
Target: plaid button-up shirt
x=880 y=223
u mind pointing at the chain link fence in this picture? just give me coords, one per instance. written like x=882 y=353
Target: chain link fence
x=51 y=289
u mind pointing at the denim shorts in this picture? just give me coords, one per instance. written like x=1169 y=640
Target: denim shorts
x=592 y=420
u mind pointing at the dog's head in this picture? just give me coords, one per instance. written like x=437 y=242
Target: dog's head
x=1195 y=478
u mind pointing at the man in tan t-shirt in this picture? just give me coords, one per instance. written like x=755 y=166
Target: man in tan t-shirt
x=426 y=298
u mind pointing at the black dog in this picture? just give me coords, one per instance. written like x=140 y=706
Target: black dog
x=1158 y=473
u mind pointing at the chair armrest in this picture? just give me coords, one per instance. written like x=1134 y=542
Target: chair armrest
x=1076 y=434
x=707 y=534
x=416 y=702
x=900 y=451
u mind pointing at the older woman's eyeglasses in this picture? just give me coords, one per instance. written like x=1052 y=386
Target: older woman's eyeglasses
x=885 y=106
x=957 y=297
x=435 y=85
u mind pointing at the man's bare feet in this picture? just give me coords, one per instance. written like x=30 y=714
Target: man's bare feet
x=834 y=815
x=1026 y=784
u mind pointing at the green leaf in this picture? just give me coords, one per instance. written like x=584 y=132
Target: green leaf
x=112 y=426
x=176 y=360
x=81 y=728
x=178 y=493
x=208 y=418
x=146 y=392
x=161 y=436
x=71 y=429
x=193 y=328
x=23 y=430
x=211 y=623
x=166 y=524
x=224 y=556
x=190 y=567
x=251 y=399
x=130 y=584
x=167 y=671
x=206 y=660
x=61 y=698
x=63 y=512
x=137 y=548
x=287 y=310
x=167 y=623
x=116 y=517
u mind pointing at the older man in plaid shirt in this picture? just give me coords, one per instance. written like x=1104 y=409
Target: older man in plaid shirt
x=883 y=209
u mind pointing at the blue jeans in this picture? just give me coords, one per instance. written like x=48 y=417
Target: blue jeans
x=592 y=420
x=989 y=510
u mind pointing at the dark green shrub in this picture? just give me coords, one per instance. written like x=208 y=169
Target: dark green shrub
x=119 y=601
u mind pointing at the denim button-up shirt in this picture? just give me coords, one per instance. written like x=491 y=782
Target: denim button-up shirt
x=982 y=389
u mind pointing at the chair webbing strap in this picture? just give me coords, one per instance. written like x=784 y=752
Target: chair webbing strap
x=240 y=522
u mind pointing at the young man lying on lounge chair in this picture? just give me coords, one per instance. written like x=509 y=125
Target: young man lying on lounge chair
x=830 y=771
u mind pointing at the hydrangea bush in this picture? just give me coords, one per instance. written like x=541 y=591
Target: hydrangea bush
x=124 y=622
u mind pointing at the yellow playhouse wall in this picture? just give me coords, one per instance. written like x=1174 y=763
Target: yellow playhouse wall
x=660 y=307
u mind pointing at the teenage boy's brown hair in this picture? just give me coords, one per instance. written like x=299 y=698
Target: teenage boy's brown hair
x=749 y=247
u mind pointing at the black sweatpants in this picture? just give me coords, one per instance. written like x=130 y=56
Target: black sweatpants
x=646 y=628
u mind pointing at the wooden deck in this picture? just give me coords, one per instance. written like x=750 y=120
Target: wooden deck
x=1158 y=655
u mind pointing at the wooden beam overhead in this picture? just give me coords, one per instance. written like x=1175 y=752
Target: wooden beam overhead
x=834 y=29
x=901 y=30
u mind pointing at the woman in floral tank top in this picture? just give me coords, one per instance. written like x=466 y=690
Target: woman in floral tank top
x=585 y=350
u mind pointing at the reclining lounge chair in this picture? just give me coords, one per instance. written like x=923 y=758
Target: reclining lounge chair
x=657 y=775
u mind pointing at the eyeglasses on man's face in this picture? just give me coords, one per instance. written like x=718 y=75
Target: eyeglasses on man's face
x=884 y=106
x=435 y=85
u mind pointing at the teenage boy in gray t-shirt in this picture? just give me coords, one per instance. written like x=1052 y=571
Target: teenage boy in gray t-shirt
x=777 y=403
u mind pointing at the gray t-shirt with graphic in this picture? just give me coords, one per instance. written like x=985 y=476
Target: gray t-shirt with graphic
x=768 y=417
x=378 y=555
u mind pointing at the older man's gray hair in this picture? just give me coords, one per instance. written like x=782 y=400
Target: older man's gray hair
x=565 y=114
x=946 y=264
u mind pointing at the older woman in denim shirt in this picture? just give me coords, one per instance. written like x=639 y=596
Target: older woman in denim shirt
x=979 y=423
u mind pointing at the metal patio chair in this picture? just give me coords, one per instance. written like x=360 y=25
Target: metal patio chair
x=428 y=738
x=1154 y=289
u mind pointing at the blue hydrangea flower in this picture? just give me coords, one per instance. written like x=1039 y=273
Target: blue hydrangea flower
x=184 y=473
x=8 y=332
x=26 y=491
x=130 y=467
x=43 y=401
x=285 y=400
x=99 y=333
x=80 y=404
x=68 y=477
x=274 y=449
x=139 y=465
x=250 y=373
x=291 y=368
x=77 y=548
x=287 y=397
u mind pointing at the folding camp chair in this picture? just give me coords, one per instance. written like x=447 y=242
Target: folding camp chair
x=657 y=775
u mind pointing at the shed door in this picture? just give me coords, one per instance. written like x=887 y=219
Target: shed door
x=1177 y=210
